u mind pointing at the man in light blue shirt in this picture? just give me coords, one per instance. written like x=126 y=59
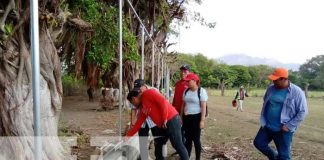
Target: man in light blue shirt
x=283 y=110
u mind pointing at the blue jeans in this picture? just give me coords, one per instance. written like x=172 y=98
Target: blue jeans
x=175 y=136
x=281 y=139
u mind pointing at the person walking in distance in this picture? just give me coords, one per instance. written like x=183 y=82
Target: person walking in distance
x=193 y=113
x=90 y=92
x=284 y=108
x=240 y=95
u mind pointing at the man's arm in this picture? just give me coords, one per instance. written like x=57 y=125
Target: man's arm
x=302 y=111
x=133 y=116
x=137 y=125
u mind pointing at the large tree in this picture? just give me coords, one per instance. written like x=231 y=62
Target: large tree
x=86 y=49
x=225 y=75
x=100 y=51
x=311 y=73
x=16 y=100
x=243 y=76
x=259 y=75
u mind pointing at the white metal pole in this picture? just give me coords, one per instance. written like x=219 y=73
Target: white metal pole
x=153 y=64
x=162 y=73
x=143 y=39
x=120 y=66
x=34 y=28
x=166 y=78
x=158 y=71
x=168 y=83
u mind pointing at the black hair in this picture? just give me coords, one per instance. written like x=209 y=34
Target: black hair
x=132 y=93
x=185 y=67
x=138 y=83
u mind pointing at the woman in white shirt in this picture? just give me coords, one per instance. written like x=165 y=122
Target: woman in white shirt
x=193 y=113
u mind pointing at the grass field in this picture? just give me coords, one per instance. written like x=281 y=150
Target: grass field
x=233 y=131
x=228 y=133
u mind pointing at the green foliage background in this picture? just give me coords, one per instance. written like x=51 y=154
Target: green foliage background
x=104 y=43
x=213 y=72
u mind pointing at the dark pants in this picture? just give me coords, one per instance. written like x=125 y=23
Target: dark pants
x=281 y=139
x=191 y=125
x=159 y=140
x=175 y=136
x=90 y=94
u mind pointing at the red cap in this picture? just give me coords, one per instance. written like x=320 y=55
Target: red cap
x=191 y=76
x=278 y=73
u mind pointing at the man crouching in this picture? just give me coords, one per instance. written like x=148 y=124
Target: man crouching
x=152 y=104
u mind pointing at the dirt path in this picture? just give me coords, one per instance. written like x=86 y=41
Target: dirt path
x=78 y=111
x=79 y=114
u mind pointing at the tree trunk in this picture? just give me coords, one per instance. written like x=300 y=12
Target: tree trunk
x=306 y=89
x=222 y=88
x=16 y=101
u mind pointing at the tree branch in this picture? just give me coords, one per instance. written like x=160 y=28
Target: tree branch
x=13 y=65
x=22 y=20
x=176 y=12
x=23 y=52
x=11 y=5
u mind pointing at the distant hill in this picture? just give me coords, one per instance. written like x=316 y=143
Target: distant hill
x=242 y=59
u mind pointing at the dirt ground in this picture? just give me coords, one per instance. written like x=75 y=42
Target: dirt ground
x=228 y=134
x=80 y=115
x=86 y=121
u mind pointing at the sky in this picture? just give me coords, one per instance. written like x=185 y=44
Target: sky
x=290 y=31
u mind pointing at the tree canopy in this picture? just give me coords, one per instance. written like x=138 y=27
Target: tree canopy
x=312 y=72
x=215 y=74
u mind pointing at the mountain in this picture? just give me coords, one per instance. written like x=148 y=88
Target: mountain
x=242 y=59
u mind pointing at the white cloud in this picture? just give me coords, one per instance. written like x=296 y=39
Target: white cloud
x=288 y=31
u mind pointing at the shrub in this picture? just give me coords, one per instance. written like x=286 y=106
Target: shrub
x=71 y=86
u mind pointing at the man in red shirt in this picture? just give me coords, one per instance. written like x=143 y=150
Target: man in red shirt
x=153 y=104
x=160 y=146
x=180 y=87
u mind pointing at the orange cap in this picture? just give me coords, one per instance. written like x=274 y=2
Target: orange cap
x=278 y=73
